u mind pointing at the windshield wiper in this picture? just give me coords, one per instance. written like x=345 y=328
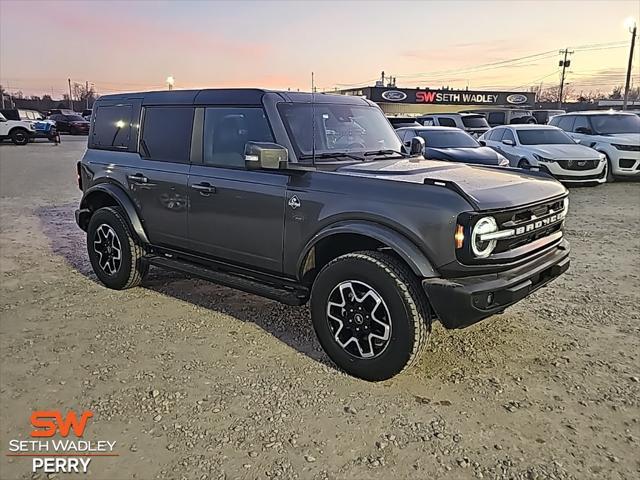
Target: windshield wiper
x=387 y=152
x=332 y=155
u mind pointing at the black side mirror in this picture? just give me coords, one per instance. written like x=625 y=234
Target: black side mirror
x=270 y=156
x=482 y=142
x=417 y=146
x=584 y=130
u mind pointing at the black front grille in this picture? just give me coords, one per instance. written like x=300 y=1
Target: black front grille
x=546 y=219
x=578 y=164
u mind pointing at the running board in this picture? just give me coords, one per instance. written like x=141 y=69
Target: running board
x=288 y=296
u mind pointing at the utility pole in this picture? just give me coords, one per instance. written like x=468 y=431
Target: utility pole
x=564 y=64
x=313 y=86
x=70 y=95
x=633 y=31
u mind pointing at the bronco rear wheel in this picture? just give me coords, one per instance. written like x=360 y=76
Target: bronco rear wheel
x=370 y=315
x=115 y=254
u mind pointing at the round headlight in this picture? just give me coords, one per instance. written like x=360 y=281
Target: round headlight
x=483 y=249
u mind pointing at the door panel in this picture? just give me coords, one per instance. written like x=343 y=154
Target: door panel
x=160 y=189
x=238 y=215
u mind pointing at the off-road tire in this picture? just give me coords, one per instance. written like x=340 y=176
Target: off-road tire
x=132 y=266
x=399 y=288
x=19 y=136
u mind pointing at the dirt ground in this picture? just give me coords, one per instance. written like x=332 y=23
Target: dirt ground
x=197 y=381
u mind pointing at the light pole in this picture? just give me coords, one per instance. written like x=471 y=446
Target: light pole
x=630 y=23
x=170 y=82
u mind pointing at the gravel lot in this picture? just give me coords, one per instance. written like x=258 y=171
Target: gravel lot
x=199 y=381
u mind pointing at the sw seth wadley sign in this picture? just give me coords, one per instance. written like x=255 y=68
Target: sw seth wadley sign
x=447 y=97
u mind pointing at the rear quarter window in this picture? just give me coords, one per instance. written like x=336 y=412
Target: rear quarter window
x=112 y=127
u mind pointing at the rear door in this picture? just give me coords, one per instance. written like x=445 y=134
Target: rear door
x=158 y=180
x=236 y=214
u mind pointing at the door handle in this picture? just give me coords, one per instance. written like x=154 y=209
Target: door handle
x=137 y=178
x=204 y=188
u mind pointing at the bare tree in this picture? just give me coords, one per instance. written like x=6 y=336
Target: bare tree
x=83 y=95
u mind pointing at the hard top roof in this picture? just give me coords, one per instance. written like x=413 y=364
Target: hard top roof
x=229 y=96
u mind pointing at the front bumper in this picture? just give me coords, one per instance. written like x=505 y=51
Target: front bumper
x=564 y=175
x=625 y=163
x=460 y=302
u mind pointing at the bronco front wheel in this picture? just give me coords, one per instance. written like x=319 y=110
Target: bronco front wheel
x=370 y=315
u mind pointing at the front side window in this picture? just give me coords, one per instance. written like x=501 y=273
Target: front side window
x=508 y=135
x=497 y=134
x=227 y=130
x=609 y=124
x=111 y=128
x=337 y=129
x=544 y=136
x=581 y=122
x=565 y=123
x=448 y=139
x=166 y=134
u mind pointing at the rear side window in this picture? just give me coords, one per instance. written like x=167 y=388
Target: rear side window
x=496 y=118
x=111 y=128
x=427 y=122
x=227 y=130
x=446 y=122
x=166 y=134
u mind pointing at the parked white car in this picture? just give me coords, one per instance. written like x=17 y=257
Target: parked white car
x=19 y=131
x=550 y=150
x=615 y=134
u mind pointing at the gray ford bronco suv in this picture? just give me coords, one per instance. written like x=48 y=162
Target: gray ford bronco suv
x=312 y=197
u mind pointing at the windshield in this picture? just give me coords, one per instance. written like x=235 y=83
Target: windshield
x=448 y=139
x=475 y=122
x=74 y=118
x=608 y=124
x=543 y=136
x=338 y=129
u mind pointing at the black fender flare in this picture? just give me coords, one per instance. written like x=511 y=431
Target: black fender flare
x=400 y=244
x=123 y=200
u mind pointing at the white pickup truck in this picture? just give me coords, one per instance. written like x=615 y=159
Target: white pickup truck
x=19 y=131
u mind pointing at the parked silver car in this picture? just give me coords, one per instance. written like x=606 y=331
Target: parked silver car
x=548 y=149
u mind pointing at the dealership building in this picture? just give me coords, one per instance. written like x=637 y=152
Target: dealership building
x=415 y=101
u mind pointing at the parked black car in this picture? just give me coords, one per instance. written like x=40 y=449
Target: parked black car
x=70 y=123
x=301 y=197
x=451 y=144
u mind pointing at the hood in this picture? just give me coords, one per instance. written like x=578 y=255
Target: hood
x=481 y=155
x=488 y=188
x=621 y=138
x=563 y=152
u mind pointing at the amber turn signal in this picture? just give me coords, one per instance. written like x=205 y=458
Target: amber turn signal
x=459 y=236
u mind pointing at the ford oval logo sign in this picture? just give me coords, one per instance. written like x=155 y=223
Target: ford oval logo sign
x=394 y=95
x=517 y=98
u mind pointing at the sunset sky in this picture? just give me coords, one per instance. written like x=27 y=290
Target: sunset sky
x=128 y=46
